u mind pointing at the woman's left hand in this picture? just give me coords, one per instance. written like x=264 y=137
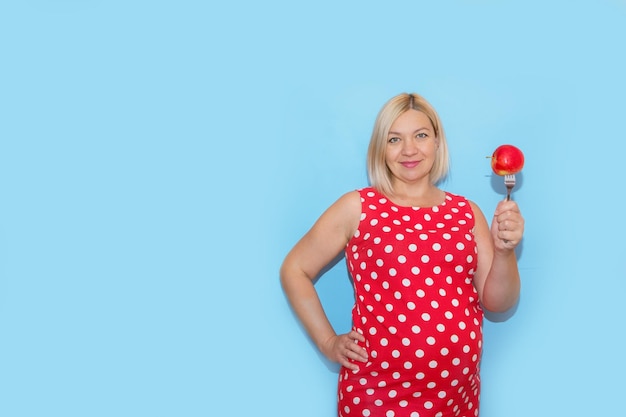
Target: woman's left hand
x=507 y=227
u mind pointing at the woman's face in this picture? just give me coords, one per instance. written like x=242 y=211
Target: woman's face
x=411 y=147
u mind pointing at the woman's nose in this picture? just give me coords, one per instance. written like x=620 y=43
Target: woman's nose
x=409 y=147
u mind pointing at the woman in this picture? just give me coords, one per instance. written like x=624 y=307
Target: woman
x=424 y=263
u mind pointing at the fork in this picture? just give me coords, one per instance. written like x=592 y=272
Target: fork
x=509 y=182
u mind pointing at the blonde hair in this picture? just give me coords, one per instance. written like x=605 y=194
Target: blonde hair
x=379 y=174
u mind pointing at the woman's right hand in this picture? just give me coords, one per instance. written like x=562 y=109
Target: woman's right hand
x=344 y=349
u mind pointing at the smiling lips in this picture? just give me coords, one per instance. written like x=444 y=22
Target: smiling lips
x=410 y=164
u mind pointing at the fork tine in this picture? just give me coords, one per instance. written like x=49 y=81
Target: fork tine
x=509 y=182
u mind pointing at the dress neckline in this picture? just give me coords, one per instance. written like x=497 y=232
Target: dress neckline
x=447 y=197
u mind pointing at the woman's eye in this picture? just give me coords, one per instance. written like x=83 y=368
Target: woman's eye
x=394 y=140
x=422 y=135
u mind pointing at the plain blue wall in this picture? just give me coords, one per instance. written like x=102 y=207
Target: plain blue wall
x=159 y=158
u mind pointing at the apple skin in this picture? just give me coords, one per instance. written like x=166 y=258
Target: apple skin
x=507 y=160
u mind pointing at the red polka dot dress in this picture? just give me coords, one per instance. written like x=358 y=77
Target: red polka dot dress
x=417 y=307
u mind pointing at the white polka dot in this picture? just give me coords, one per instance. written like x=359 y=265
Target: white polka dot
x=388 y=249
x=402 y=259
x=412 y=247
x=406 y=282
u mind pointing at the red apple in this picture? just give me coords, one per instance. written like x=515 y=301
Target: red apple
x=506 y=160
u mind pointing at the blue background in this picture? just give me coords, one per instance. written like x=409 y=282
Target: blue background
x=159 y=158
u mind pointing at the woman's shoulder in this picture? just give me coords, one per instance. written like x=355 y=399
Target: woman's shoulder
x=352 y=199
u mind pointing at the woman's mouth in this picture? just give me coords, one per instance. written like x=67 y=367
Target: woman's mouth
x=409 y=164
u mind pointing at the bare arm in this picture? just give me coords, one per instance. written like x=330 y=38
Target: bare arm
x=497 y=276
x=317 y=248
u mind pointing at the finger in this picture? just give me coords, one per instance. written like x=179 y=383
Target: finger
x=349 y=365
x=354 y=335
x=357 y=353
x=353 y=350
x=506 y=206
x=347 y=358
